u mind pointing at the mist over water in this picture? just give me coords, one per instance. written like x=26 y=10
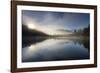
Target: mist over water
x=56 y=49
x=55 y=36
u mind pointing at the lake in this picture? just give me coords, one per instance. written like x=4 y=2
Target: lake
x=56 y=49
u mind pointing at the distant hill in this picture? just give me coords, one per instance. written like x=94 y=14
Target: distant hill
x=64 y=30
x=31 y=32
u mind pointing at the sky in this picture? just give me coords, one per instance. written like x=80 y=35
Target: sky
x=50 y=22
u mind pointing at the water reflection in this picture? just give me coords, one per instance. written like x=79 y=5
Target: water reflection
x=53 y=49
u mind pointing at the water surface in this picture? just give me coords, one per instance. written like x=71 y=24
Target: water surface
x=56 y=49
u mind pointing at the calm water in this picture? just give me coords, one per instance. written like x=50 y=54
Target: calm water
x=56 y=49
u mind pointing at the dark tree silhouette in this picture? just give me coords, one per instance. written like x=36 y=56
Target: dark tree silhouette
x=86 y=31
x=31 y=32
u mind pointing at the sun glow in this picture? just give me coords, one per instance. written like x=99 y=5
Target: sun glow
x=31 y=26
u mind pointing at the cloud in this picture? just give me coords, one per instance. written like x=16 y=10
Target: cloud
x=49 y=22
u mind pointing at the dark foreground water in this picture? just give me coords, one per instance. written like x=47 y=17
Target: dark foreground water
x=55 y=49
